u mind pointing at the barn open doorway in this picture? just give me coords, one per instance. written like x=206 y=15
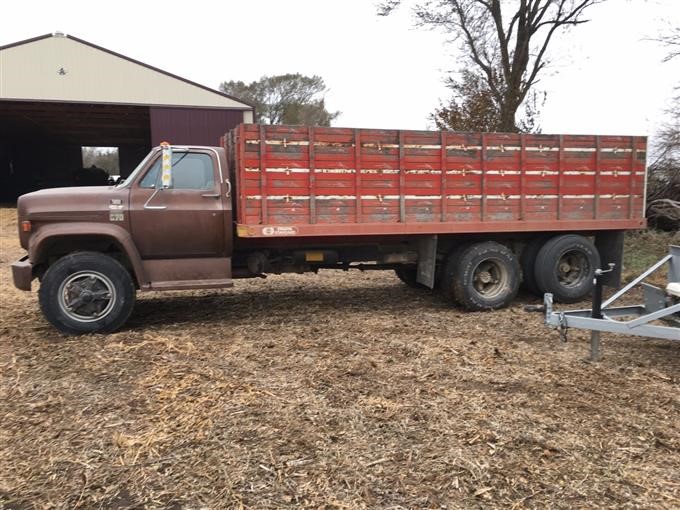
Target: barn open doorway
x=101 y=165
x=41 y=143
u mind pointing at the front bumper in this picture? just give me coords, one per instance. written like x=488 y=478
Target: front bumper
x=22 y=273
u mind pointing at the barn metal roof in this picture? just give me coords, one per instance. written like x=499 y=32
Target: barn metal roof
x=64 y=68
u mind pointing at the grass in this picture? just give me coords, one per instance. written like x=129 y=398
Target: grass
x=643 y=248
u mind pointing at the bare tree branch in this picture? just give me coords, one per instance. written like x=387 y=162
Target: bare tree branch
x=672 y=41
x=504 y=41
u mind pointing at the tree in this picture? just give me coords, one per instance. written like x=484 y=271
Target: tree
x=505 y=42
x=663 y=184
x=471 y=108
x=285 y=99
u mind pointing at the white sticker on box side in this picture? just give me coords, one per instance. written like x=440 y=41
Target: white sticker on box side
x=279 y=231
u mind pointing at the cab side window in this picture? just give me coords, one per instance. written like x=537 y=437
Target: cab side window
x=190 y=170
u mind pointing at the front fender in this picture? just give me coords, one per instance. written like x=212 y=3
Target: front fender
x=39 y=242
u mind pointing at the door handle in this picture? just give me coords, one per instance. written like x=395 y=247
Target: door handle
x=210 y=195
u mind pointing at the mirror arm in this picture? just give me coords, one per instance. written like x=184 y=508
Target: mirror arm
x=157 y=207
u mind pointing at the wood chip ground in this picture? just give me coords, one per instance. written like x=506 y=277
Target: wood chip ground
x=337 y=390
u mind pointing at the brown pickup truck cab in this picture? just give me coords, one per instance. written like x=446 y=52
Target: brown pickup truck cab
x=471 y=214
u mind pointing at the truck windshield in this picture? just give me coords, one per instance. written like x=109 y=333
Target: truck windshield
x=134 y=173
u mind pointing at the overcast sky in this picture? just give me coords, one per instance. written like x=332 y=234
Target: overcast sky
x=381 y=72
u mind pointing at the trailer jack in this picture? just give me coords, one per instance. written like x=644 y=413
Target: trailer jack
x=657 y=317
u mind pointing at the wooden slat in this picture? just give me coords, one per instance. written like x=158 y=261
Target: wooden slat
x=402 y=198
x=631 y=179
x=263 y=174
x=312 y=177
x=443 y=166
x=596 y=190
x=240 y=158
x=357 y=174
x=482 y=165
x=560 y=177
x=522 y=177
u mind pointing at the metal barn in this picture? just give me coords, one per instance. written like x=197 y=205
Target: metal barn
x=59 y=93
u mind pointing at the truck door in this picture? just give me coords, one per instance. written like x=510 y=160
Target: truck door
x=187 y=219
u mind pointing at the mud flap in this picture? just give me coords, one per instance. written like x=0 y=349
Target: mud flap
x=427 y=260
x=610 y=246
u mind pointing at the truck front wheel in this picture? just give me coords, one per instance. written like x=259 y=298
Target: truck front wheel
x=565 y=267
x=86 y=292
x=483 y=276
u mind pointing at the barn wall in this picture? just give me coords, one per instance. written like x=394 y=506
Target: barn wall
x=129 y=156
x=67 y=69
x=191 y=126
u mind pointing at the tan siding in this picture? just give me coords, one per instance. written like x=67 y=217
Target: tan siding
x=30 y=71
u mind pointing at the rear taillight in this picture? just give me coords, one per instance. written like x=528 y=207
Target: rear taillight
x=26 y=226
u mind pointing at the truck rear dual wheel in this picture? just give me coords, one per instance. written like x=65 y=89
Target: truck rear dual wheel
x=86 y=292
x=409 y=275
x=528 y=263
x=565 y=266
x=482 y=276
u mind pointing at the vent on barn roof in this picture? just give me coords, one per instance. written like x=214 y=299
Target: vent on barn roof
x=59 y=34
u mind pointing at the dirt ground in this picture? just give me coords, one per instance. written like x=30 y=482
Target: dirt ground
x=337 y=390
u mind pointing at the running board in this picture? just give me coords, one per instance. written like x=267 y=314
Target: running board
x=191 y=284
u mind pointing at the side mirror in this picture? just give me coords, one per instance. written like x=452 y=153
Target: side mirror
x=166 y=165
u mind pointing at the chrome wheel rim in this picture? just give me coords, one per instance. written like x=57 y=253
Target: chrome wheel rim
x=87 y=296
x=573 y=268
x=490 y=278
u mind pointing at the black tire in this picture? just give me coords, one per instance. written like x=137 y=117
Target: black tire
x=448 y=269
x=408 y=275
x=528 y=263
x=87 y=292
x=565 y=267
x=483 y=276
